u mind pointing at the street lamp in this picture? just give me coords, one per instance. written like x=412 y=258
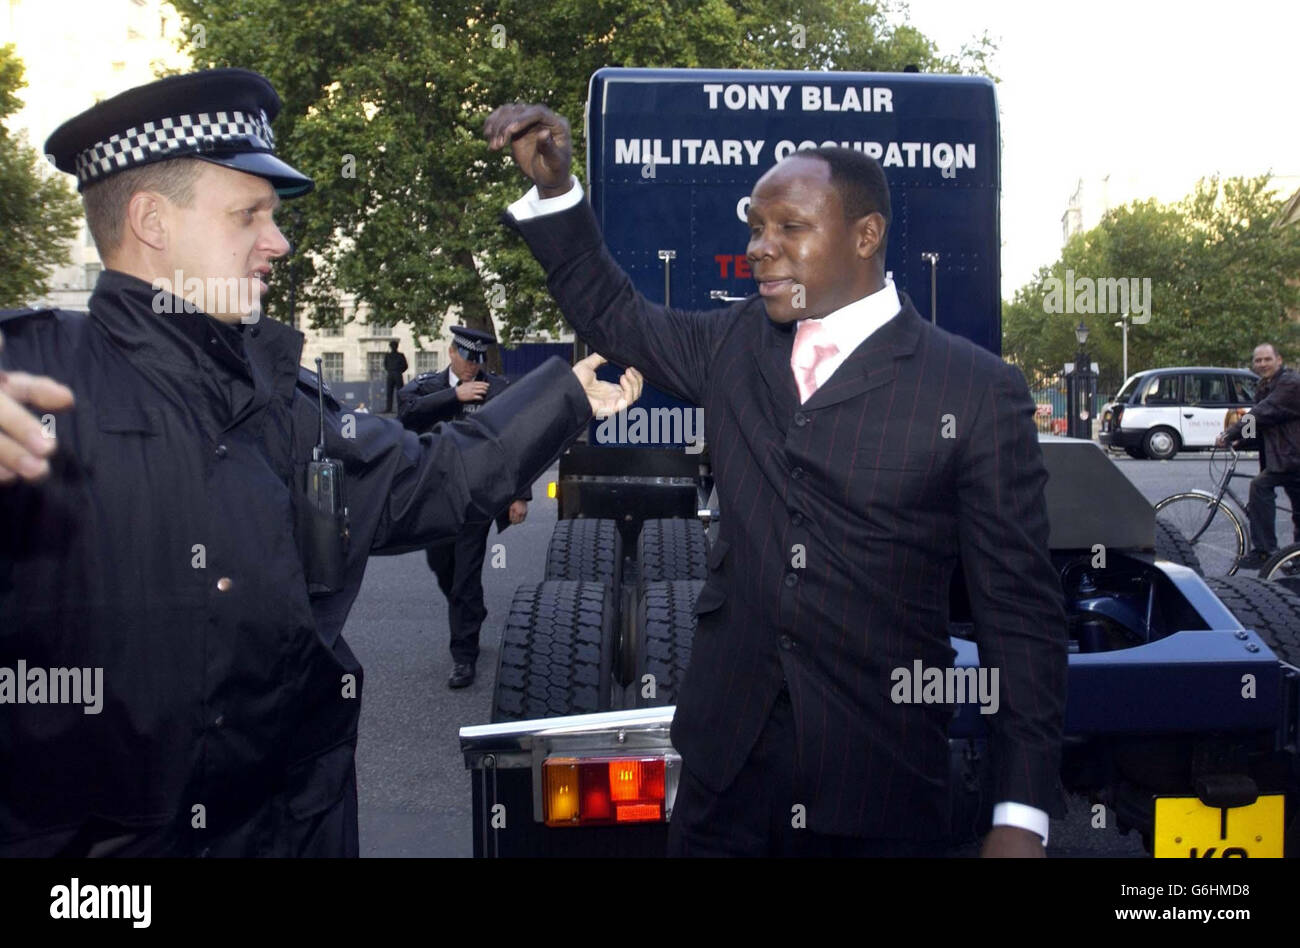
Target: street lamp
x=1123 y=323
x=1080 y=386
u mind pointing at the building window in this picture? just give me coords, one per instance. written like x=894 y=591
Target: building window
x=426 y=361
x=92 y=274
x=379 y=329
x=374 y=365
x=330 y=332
x=332 y=366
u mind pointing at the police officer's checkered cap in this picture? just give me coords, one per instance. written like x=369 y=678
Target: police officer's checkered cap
x=219 y=115
x=475 y=340
x=174 y=137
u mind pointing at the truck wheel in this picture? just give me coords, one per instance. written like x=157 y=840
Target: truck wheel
x=1161 y=444
x=586 y=550
x=1274 y=613
x=672 y=549
x=1271 y=610
x=1171 y=545
x=666 y=619
x=556 y=651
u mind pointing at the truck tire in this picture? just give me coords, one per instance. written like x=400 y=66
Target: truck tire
x=556 y=651
x=671 y=550
x=1273 y=611
x=586 y=550
x=1171 y=545
x=665 y=618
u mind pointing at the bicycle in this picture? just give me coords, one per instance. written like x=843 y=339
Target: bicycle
x=1284 y=567
x=1210 y=525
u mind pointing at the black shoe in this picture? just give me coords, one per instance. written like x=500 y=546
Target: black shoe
x=1255 y=559
x=462 y=675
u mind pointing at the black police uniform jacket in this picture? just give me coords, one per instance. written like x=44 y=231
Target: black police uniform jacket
x=430 y=399
x=165 y=549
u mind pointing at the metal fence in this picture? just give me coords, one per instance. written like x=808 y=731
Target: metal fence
x=1048 y=393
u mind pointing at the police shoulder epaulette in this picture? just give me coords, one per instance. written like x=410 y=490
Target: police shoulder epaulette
x=310 y=383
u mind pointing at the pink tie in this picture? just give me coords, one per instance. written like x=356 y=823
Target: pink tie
x=811 y=348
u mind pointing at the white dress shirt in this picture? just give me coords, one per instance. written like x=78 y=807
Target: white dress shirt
x=849 y=326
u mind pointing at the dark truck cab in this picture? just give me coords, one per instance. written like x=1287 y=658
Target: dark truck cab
x=1184 y=693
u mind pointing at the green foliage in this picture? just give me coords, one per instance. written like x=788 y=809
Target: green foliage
x=1224 y=277
x=38 y=210
x=403 y=87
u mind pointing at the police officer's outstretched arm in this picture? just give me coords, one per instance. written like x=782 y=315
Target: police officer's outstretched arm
x=673 y=347
x=25 y=443
x=409 y=490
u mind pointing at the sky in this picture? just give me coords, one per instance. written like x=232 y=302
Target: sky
x=1156 y=94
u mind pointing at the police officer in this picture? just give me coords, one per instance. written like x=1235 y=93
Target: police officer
x=448 y=396
x=163 y=558
x=394 y=366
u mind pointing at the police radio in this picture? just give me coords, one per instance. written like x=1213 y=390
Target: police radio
x=327 y=532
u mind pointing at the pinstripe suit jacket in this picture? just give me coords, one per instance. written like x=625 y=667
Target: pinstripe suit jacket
x=843 y=520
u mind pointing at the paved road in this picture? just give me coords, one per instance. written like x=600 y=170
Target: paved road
x=414 y=789
x=413 y=785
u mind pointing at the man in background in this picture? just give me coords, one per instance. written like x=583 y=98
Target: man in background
x=438 y=397
x=1275 y=421
x=394 y=366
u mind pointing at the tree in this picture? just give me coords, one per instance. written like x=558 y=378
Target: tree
x=385 y=102
x=1224 y=276
x=38 y=210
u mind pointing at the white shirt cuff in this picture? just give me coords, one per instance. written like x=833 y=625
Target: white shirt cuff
x=533 y=204
x=1022 y=816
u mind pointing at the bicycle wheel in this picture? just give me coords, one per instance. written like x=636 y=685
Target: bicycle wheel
x=1284 y=567
x=1210 y=527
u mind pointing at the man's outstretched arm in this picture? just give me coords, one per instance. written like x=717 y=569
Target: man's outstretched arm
x=672 y=347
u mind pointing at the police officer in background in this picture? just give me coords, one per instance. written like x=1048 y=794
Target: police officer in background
x=167 y=547
x=447 y=396
x=394 y=366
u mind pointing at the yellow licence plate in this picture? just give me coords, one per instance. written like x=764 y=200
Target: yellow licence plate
x=1187 y=828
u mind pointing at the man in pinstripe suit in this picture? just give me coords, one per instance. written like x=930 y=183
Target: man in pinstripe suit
x=861 y=455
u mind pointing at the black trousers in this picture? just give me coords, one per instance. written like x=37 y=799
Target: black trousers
x=1262 y=507
x=756 y=815
x=394 y=382
x=459 y=568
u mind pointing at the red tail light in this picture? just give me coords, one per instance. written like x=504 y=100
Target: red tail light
x=593 y=791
